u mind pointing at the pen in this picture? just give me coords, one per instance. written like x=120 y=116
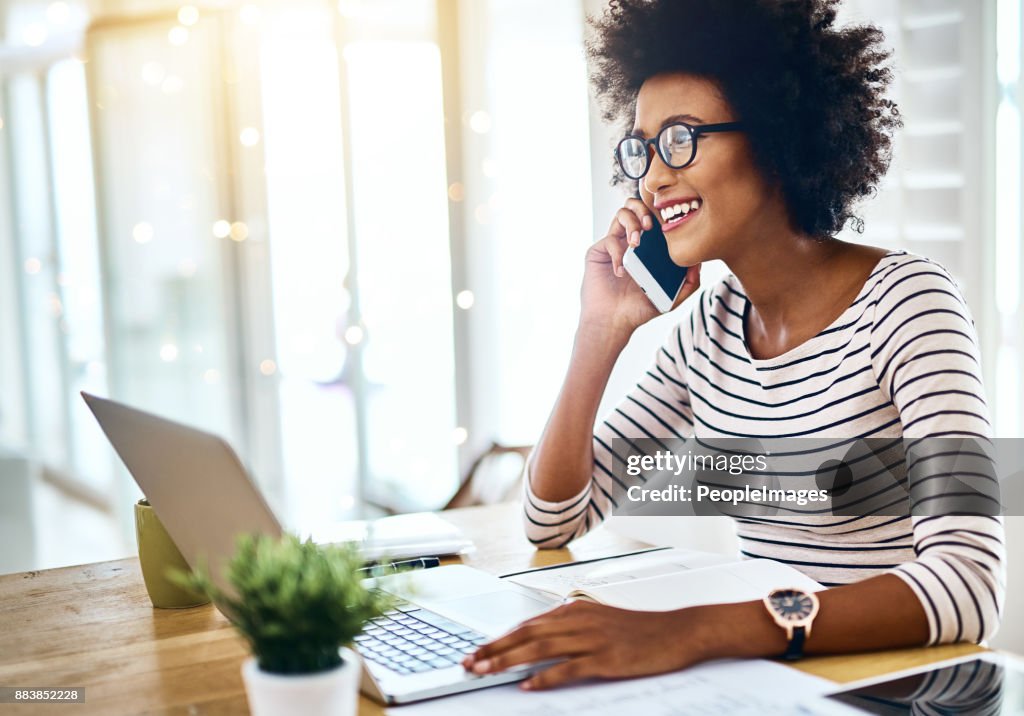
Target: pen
x=388 y=567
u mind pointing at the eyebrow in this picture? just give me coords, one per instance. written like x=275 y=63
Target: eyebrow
x=689 y=118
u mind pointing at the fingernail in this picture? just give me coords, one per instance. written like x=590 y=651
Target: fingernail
x=618 y=271
x=634 y=240
x=481 y=666
x=527 y=685
x=647 y=222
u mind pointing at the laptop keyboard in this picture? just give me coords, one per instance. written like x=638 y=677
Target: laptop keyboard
x=411 y=640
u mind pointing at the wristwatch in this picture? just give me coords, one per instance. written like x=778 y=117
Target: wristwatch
x=793 y=610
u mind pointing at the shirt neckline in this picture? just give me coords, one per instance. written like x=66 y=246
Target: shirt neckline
x=812 y=343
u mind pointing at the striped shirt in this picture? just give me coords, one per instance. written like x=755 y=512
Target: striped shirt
x=902 y=360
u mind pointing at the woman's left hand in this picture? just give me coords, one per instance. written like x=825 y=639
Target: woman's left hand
x=595 y=642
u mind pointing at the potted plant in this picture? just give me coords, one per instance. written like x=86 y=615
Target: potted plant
x=298 y=605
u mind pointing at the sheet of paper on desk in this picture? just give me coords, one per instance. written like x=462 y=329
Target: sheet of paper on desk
x=741 y=688
x=417 y=534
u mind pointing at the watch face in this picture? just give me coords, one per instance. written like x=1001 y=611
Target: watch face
x=791 y=605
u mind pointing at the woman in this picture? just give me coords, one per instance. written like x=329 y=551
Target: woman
x=808 y=336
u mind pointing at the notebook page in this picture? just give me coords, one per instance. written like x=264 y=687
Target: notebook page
x=719 y=584
x=560 y=582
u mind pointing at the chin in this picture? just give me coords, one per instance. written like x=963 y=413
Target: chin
x=684 y=253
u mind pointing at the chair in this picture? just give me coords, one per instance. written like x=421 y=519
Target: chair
x=495 y=476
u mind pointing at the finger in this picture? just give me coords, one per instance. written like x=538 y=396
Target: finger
x=616 y=251
x=534 y=651
x=568 y=671
x=524 y=633
x=631 y=225
x=690 y=284
x=643 y=213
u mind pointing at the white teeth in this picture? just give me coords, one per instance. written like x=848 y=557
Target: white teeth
x=669 y=212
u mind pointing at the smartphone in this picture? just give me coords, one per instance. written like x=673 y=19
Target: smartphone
x=651 y=266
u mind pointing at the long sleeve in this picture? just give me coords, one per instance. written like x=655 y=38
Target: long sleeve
x=924 y=352
x=658 y=406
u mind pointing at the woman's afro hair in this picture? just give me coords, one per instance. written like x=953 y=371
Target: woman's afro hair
x=811 y=94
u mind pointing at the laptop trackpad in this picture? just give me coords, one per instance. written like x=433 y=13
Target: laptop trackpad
x=492 y=614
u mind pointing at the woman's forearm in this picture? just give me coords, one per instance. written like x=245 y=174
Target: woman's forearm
x=878 y=613
x=595 y=641
x=563 y=460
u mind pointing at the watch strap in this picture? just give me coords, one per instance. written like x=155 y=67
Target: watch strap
x=795 y=650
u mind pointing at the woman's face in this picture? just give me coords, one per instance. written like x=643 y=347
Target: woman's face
x=735 y=205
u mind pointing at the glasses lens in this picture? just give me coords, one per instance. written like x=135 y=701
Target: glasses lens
x=632 y=156
x=676 y=144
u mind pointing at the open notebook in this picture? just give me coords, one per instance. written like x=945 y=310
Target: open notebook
x=666 y=579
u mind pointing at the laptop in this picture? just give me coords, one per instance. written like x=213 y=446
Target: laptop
x=204 y=497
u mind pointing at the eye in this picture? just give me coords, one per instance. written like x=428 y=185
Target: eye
x=678 y=137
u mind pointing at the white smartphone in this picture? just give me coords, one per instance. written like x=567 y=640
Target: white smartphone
x=651 y=266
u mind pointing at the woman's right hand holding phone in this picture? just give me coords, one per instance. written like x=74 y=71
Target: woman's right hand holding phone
x=613 y=306
x=611 y=299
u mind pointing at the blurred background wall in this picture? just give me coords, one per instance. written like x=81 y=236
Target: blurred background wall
x=348 y=236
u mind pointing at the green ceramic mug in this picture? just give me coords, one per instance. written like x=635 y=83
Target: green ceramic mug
x=157 y=555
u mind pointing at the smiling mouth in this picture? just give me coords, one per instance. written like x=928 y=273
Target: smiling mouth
x=673 y=216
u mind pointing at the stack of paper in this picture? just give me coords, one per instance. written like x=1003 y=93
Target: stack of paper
x=417 y=534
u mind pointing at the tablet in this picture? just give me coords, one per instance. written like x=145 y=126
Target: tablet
x=991 y=684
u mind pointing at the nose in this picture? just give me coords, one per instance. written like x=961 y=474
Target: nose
x=659 y=175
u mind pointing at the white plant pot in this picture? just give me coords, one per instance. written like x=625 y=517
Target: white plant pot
x=325 y=693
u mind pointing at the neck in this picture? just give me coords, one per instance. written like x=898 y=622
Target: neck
x=781 y=269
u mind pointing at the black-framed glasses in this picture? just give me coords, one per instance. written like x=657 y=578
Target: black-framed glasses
x=676 y=144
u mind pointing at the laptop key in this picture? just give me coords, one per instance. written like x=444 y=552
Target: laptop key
x=441 y=622
x=439 y=662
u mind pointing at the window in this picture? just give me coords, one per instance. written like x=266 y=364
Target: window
x=1008 y=183
x=334 y=274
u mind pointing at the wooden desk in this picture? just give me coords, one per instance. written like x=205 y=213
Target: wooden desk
x=93 y=626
